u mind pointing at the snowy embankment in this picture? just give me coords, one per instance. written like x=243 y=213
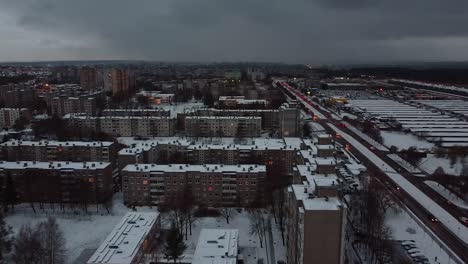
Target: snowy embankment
x=406 y=164
x=404 y=141
x=447 y=194
x=450 y=222
x=405 y=227
x=365 y=137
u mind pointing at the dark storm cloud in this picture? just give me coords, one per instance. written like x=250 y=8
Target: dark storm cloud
x=269 y=30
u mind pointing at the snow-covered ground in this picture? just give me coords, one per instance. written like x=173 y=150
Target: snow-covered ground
x=404 y=141
x=248 y=244
x=431 y=163
x=404 y=227
x=447 y=194
x=81 y=232
x=435 y=209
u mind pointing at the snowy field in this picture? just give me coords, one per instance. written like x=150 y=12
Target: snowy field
x=447 y=194
x=81 y=232
x=404 y=227
x=431 y=163
x=404 y=141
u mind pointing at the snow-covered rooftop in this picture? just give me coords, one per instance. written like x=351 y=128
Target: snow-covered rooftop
x=220 y=168
x=53 y=165
x=53 y=143
x=217 y=246
x=124 y=242
x=305 y=193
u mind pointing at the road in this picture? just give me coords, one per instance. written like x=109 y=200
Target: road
x=451 y=239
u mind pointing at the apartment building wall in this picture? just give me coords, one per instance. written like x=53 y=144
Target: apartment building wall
x=88 y=78
x=205 y=126
x=270 y=117
x=212 y=185
x=289 y=120
x=58 y=182
x=17 y=95
x=314 y=235
x=59 y=151
x=8 y=116
x=123 y=126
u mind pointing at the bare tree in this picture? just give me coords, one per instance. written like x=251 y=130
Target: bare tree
x=279 y=211
x=52 y=241
x=258 y=225
x=227 y=213
x=27 y=247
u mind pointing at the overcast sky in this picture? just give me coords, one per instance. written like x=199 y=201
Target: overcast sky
x=295 y=31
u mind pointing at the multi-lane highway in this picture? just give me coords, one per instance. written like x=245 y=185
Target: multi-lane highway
x=429 y=207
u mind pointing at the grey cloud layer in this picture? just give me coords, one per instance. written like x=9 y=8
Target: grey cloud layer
x=268 y=30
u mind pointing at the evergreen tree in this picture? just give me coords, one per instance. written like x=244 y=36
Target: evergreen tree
x=175 y=246
x=5 y=238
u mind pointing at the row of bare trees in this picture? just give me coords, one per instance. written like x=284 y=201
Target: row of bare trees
x=42 y=244
x=373 y=236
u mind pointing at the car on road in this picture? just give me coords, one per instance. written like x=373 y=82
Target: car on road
x=433 y=219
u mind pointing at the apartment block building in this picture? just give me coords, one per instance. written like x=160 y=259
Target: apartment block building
x=119 y=80
x=278 y=155
x=223 y=126
x=211 y=184
x=8 y=116
x=289 y=120
x=88 y=78
x=130 y=239
x=17 y=95
x=316 y=219
x=270 y=117
x=58 y=181
x=126 y=126
x=45 y=150
x=136 y=112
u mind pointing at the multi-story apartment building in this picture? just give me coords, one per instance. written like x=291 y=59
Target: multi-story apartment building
x=289 y=120
x=223 y=126
x=270 y=117
x=240 y=102
x=126 y=126
x=211 y=184
x=8 y=116
x=316 y=219
x=59 y=151
x=119 y=81
x=131 y=238
x=278 y=155
x=17 y=95
x=58 y=181
x=88 y=78
x=136 y=112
